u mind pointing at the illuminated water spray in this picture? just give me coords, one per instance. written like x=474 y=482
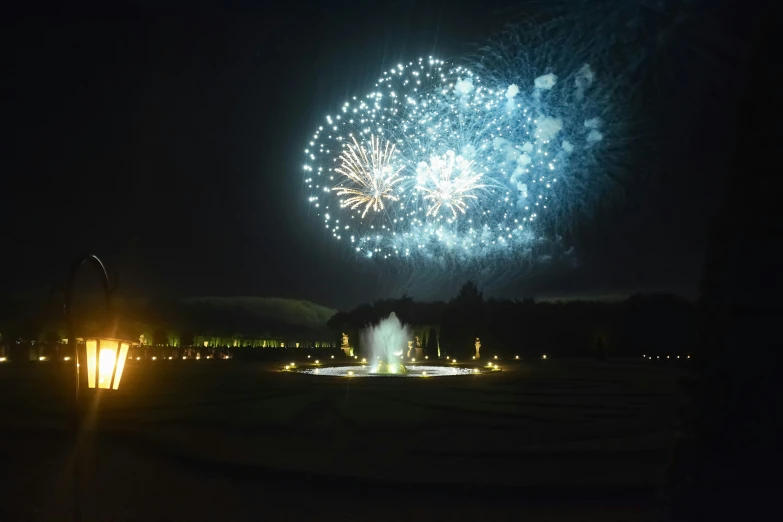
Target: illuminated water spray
x=386 y=342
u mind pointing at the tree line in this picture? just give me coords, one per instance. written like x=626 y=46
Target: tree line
x=654 y=324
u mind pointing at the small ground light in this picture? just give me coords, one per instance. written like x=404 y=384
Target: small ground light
x=316 y=361
x=424 y=374
x=350 y=373
x=184 y=357
x=3 y=359
x=287 y=367
x=453 y=361
x=332 y=356
x=689 y=357
x=475 y=370
x=364 y=361
x=426 y=356
x=678 y=356
x=138 y=358
x=516 y=357
x=496 y=357
x=308 y=356
x=667 y=356
x=544 y=356
x=170 y=357
x=292 y=365
x=66 y=358
x=413 y=360
x=154 y=358
x=42 y=358
x=650 y=357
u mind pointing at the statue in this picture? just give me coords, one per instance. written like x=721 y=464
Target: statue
x=419 y=348
x=345 y=345
x=410 y=348
x=478 y=347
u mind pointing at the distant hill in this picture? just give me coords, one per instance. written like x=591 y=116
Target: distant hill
x=292 y=312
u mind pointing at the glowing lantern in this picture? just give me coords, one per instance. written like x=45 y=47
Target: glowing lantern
x=105 y=362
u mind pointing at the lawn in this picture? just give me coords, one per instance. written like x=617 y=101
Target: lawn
x=226 y=440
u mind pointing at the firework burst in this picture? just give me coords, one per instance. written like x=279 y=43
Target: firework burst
x=440 y=163
x=370 y=175
x=448 y=181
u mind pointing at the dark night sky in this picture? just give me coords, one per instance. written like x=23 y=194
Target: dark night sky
x=168 y=141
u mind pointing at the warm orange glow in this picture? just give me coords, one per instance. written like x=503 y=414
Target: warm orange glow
x=124 y=347
x=92 y=346
x=107 y=360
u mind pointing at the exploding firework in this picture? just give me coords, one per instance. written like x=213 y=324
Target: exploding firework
x=371 y=176
x=441 y=163
x=448 y=181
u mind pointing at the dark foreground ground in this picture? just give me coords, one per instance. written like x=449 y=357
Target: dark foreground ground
x=227 y=441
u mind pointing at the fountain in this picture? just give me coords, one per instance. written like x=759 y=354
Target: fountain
x=386 y=342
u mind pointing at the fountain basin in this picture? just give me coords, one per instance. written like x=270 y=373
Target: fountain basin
x=366 y=371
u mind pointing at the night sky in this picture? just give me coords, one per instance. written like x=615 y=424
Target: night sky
x=167 y=138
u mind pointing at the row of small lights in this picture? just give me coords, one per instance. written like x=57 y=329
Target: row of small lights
x=491 y=366
x=645 y=356
x=154 y=358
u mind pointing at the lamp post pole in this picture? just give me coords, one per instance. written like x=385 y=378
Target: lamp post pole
x=98 y=264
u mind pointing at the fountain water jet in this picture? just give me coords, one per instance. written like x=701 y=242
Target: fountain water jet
x=387 y=341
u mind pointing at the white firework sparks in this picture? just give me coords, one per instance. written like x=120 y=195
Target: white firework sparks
x=448 y=181
x=450 y=166
x=371 y=176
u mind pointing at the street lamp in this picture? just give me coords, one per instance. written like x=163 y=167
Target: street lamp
x=105 y=364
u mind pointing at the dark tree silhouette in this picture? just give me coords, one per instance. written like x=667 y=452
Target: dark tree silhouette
x=727 y=465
